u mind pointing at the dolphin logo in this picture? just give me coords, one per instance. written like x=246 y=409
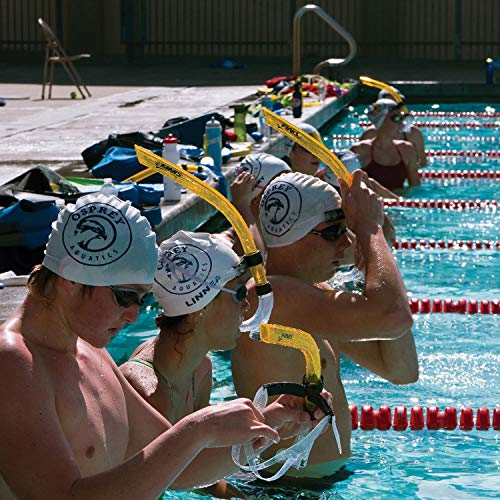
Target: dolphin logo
x=182 y=266
x=96 y=230
x=280 y=211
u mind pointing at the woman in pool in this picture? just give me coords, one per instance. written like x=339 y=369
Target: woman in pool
x=413 y=134
x=385 y=158
x=200 y=285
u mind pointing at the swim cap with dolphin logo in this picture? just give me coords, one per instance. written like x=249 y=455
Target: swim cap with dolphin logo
x=263 y=167
x=101 y=241
x=293 y=204
x=192 y=269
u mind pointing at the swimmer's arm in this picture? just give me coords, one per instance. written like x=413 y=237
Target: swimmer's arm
x=204 y=383
x=409 y=155
x=394 y=360
x=364 y=152
x=381 y=190
x=241 y=189
x=417 y=140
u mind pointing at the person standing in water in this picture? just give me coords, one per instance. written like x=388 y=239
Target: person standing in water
x=71 y=426
x=385 y=158
x=304 y=223
x=411 y=134
x=200 y=286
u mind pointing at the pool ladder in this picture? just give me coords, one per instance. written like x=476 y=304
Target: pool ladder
x=334 y=25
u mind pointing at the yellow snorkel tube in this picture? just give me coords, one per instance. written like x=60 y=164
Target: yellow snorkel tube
x=298 y=339
x=297 y=454
x=253 y=258
x=308 y=142
x=370 y=82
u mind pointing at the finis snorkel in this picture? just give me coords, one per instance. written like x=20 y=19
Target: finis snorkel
x=296 y=455
x=370 y=82
x=308 y=142
x=253 y=258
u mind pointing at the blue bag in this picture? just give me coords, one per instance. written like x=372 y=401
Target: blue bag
x=121 y=163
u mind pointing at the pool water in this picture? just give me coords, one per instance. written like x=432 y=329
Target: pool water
x=459 y=354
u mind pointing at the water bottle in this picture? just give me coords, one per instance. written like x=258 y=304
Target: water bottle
x=265 y=128
x=108 y=188
x=213 y=132
x=171 y=190
x=297 y=100
x=321 y=91
x=240 y=125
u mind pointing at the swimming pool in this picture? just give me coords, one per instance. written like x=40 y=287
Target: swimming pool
x=459 y=354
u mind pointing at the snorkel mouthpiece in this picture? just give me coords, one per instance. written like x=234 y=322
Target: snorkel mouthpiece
x=298 y=339
x=253 y=258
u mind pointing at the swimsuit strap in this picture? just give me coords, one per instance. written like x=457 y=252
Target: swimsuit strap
x=164 y=377
x=158 y=372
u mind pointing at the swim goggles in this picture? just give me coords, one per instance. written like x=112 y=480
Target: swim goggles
x=401 y=117
x=296 y=455
x=239 y=294
x=331 y=233
x=127 y=297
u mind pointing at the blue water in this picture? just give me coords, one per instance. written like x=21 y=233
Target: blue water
x=459 y=354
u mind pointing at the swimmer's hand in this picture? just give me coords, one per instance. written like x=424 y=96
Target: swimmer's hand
x=362 y=208
x=287 y=414
x=241 y=190
x=232 y=422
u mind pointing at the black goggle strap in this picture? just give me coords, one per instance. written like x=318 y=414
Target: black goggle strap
x=310 y=391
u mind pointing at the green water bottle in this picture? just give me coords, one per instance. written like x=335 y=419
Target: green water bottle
x=240 y=126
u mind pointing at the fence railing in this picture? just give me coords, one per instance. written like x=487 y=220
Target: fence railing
x=403 y=29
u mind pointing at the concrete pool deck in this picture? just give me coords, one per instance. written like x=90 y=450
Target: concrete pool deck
x=127 y=98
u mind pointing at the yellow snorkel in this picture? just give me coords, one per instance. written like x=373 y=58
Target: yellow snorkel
x=308 y=142
x=370 y=82
x=253 y=258
x=298 y=339
x=297 y=454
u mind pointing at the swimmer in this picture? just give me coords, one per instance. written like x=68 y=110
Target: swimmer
x=203 y=307
x=304 y=224
x=73 y=426
x=385 y=158
x=301 y=160
x=413 y=135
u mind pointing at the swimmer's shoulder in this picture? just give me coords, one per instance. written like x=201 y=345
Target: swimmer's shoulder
x=368 y=133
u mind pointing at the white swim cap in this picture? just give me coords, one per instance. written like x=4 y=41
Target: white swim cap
x=101 y=241
x=264 y=167
x=385 y=94
x=351 y=163
x=308 y=129
x=192 y=268
x=379 y=110
x=293 y=204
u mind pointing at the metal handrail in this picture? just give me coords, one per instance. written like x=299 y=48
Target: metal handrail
x=333 y=25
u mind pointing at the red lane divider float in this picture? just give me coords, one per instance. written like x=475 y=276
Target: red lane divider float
x=383 y=420
x=404 y=244
x=458 y=114
x=448 y=204
x=461 y=306
x=459 y=174
x=437 y=124
x=468 y=154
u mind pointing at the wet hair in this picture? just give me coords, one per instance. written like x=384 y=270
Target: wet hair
x=41 y=283
x=174 y=325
